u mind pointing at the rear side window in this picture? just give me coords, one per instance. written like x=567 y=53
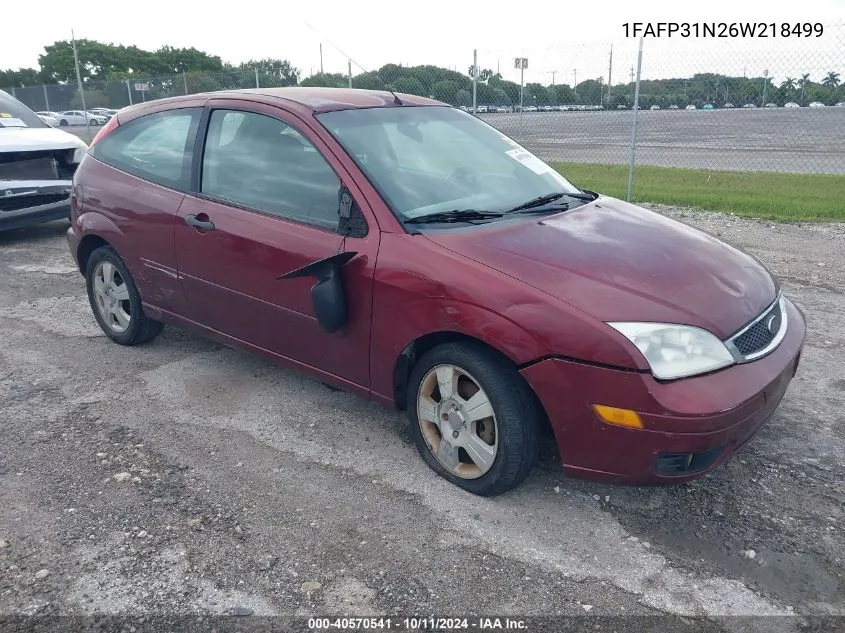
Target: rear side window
x=155 y=147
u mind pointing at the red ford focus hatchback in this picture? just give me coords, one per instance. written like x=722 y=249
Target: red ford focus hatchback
x=407 y=251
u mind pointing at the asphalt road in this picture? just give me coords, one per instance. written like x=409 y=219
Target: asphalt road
x=805 y=140
x=801 y=140
x=185 y=477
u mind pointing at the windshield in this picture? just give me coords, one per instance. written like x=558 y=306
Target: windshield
x=15 y=114
x=431 y=159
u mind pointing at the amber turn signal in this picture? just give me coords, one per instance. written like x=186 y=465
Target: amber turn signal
x=618 y=417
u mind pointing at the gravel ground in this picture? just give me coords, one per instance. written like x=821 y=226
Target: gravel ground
x=185 y=477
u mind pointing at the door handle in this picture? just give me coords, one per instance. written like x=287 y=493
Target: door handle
x=205 y=225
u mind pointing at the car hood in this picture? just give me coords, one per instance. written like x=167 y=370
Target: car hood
x=31 y=139
x=619 y=262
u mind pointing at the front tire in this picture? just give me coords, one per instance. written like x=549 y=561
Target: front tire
x=63 y=123
x=473 y=418
x=115 y=300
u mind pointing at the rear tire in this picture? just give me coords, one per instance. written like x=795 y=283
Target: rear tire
x=63 y=122
x=448 y=438
x=115 y=300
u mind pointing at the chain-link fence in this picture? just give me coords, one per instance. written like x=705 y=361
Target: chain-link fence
x=774 y=105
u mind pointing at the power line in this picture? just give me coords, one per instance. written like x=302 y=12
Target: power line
x=330 y=43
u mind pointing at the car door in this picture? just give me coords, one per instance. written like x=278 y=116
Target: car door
x=265 y=203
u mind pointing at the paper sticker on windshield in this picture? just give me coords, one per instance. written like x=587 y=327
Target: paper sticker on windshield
x=510 y=141
x=529 y=160
x=10 y=121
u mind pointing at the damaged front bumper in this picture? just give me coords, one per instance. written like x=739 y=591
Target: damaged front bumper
x=27 y=202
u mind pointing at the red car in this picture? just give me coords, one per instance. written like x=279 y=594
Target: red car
x=405 y=250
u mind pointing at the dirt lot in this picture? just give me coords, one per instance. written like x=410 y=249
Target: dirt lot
x=183 y=477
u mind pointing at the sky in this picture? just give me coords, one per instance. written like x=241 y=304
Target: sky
x=562 y=40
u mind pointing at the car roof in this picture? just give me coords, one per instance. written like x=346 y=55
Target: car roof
x=317 y=99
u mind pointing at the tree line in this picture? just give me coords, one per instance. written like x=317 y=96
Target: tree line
x=169 y=70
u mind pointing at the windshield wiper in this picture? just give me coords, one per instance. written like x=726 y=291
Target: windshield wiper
x=455 y=215
x=540 y=201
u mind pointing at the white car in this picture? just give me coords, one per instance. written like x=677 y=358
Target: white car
x=106 y=112
x=37 y=164
x=840 y=104
x=690 y=107
x=816 y=104
x=77 y=117
x=654 y=107
x=791 y=104
x=50 y=118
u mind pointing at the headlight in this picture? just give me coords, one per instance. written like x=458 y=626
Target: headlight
x=676 y=351
x=79 y=152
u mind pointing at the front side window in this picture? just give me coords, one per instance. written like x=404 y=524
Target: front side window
x=431 y=159
x=154 y=147
x=258 y=162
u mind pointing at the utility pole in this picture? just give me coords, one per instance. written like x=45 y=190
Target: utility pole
x=79 y=81
x=575 y=80
x=321 y=58
x=765 y=85
x=554 y=72
x=634 y=123
x=475 y=81
x=609 y=74
x=350 y=72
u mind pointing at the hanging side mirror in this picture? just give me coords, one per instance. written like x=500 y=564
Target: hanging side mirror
x=327 y=295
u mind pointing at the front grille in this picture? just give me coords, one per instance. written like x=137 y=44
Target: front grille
x=759 y=335
x=16 y=203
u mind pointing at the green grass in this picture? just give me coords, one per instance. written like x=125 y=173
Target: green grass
x=772 y=196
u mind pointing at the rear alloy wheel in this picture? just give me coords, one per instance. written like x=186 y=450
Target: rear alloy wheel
x=115 y=300
x=473 y=418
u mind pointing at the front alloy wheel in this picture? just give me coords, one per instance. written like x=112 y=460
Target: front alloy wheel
x=457 y=421
x=474 y=419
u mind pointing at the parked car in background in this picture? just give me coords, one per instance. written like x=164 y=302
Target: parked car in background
x=791 y=104
x=654 y=107
x=840 y=104
x=729 y=105
x=105 y=112
x=816 y=104
x=749 y=106
x=79 y=117
x=49 y=119
x=673 y=107
x=339 y=232
x=690 y=107
x=771 y=105
x=37 y=163
x=708 y=106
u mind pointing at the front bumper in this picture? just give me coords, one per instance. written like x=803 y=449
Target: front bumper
x=691 y=426
x=56 y=209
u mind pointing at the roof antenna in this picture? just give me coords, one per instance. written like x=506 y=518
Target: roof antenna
x=396 y=99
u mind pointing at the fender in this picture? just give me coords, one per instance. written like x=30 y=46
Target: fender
x=402 y=323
